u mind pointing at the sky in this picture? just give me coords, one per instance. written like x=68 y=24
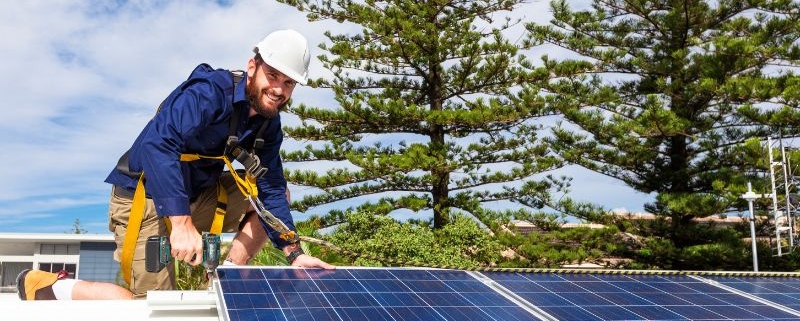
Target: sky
x=80 y=78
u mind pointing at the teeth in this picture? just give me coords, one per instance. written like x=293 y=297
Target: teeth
x=271 y=97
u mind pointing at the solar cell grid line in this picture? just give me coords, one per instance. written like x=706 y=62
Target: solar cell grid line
x=633 y=297
x=781 y=292
x=397 y=294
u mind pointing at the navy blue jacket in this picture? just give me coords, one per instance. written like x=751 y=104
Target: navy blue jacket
x=194 y=119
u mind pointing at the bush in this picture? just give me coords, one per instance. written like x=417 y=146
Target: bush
x=461 y=243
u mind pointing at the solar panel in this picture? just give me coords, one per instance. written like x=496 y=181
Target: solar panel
x=271 y=293
x=640 y=297
x=249 y=293
x=781 y=290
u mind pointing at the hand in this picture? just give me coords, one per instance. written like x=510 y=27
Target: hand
x=308 y=261
x=305 y=260
x=186 y=244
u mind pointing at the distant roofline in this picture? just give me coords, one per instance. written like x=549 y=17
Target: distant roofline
x=26 y=237
x=726 y=219
x=717 y=218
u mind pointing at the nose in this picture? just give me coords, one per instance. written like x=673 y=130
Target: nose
x=276 y=88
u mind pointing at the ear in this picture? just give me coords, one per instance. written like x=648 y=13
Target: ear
x=251 y=67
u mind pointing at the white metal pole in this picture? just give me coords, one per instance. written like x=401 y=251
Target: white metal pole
x=750 y=197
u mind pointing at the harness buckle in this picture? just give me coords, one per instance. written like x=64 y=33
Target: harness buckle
x=251 y=163
x=258 y=172
x=259 y=143
x=231 y=144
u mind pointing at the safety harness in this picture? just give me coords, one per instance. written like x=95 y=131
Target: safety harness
x=246 y=184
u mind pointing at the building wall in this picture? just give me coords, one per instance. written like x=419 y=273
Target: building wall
x=87 y=257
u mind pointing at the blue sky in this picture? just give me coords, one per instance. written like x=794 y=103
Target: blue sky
x=79 y=79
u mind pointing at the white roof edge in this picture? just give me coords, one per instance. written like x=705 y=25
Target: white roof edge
x=55 y=237
x=23 y=237
x=89 y=310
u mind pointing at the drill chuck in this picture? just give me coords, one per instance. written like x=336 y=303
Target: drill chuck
x=211 y=251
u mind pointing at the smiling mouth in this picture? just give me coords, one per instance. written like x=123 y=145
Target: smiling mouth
x=273 y=98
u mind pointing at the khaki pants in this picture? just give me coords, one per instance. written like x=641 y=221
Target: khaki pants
x=202 y=208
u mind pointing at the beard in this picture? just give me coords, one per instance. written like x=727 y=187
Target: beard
x=257 y=97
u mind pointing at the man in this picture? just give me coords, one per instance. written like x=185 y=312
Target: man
x=208 y=115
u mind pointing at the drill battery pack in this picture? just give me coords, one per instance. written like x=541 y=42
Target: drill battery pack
x=157 y=253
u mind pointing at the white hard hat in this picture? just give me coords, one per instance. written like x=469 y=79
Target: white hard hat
x=286 y=51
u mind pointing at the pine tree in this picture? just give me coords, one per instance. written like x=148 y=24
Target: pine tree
x=77 y=228
x=655 y=94
x=427 y=117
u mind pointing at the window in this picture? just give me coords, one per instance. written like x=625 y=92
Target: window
x=47 y=249
x=55 y=267
x=9 y=273
x=59 y=249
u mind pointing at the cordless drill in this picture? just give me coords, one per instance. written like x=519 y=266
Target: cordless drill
x=157 y=252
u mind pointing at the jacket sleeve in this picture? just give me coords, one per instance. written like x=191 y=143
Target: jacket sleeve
x=272 y=186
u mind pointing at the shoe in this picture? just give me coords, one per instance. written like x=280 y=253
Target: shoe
x=37 y=284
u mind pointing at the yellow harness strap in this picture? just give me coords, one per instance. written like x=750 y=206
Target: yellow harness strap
x=137 y=214
x=246 y=185
x=132 y=231
x=219 y=213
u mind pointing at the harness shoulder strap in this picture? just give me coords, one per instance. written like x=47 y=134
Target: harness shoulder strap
x=233 y=123
x=258 y=144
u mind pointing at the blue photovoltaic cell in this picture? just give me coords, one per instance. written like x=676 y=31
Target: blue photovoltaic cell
x=361 y=294
x=646 y=297
x=781 y=290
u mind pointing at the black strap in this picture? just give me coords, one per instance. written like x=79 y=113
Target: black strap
x=122 y=166
x=233 y=124
x=259 y=142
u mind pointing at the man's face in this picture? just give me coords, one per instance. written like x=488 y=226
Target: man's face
x=267 y=88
